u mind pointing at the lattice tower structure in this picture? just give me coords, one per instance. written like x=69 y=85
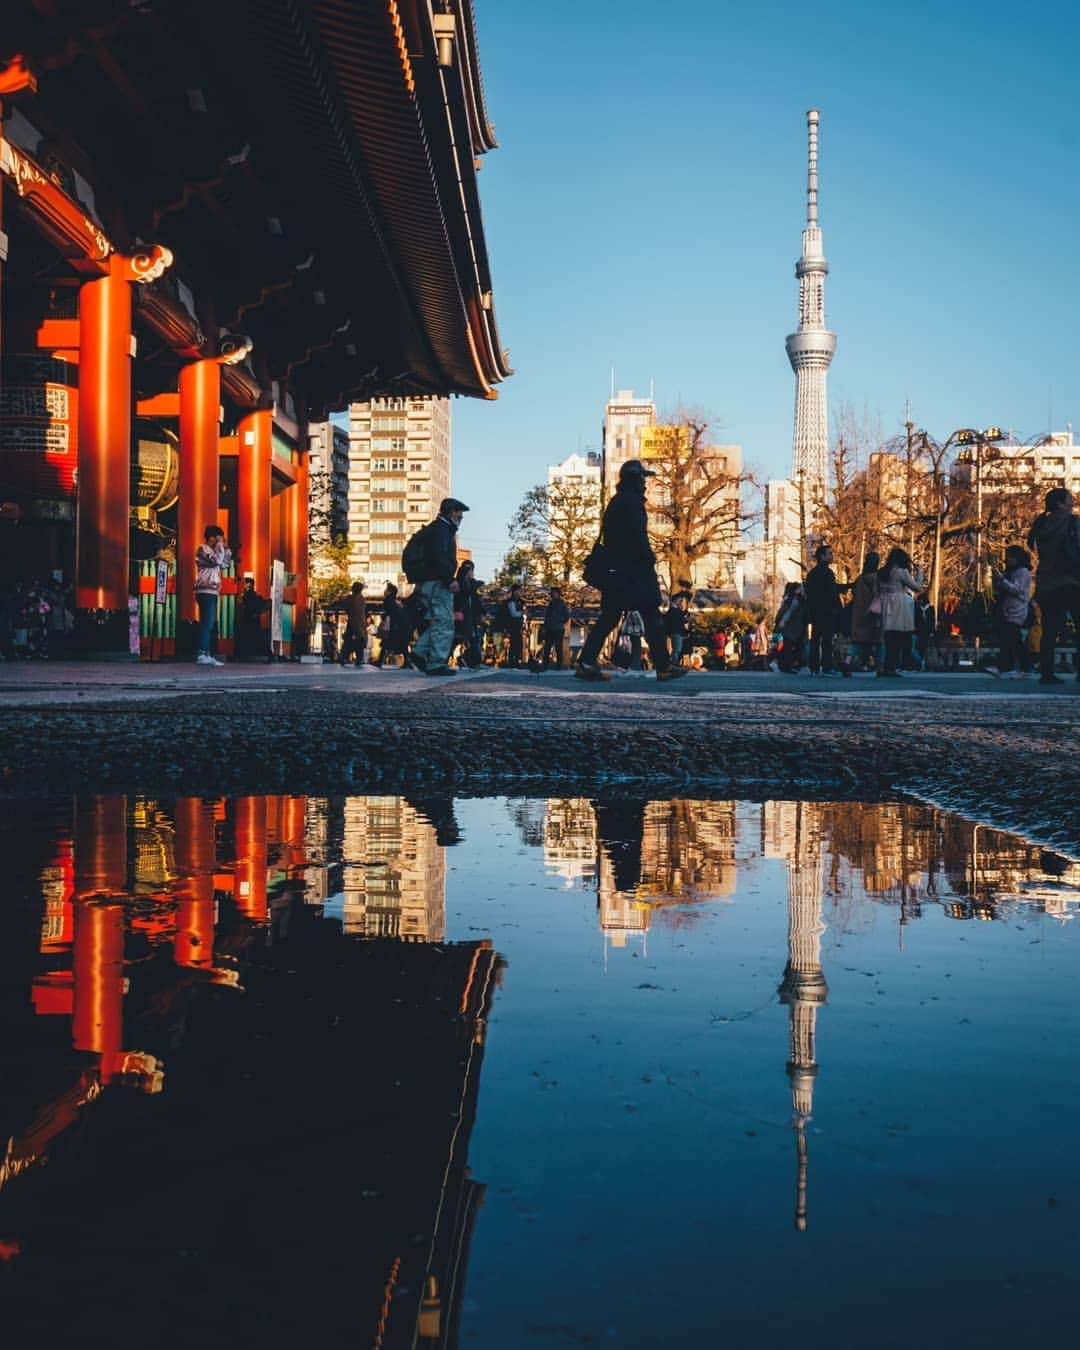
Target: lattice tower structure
x=810 y=349
x=804 y=990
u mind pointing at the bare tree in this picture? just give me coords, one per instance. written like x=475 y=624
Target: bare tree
x=696 y=508
x=558 y=523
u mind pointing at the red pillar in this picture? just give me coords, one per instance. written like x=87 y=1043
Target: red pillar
x=98 y=955
x=200 y=416
x=105 y=416
x=298 y=548
x=193 y=944
x=255 y=435
x=249 y=873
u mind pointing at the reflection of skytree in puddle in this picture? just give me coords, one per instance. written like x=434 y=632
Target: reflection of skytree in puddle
x=803 y=987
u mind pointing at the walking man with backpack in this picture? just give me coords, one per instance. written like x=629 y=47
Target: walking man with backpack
x=430 y=563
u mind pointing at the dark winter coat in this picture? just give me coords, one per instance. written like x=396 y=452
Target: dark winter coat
x=355 y=610
x=440 y=551
x=1058 y=569
x=676 y=622
x=633 y=584
x=555 y=616
x=822 y=592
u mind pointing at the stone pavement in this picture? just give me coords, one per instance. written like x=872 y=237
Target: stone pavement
x=1002 y=751
x=33 y=683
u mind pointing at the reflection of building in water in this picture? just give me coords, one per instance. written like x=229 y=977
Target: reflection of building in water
x=655 y=855
x=688 y=851
x=905 y=855
x=803 y=987
x=570 y=840
x=323 y=825
x=123 y=911
x=393 y=875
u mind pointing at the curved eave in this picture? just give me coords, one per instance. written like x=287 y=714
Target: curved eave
x=483 y=134
x=389 y=103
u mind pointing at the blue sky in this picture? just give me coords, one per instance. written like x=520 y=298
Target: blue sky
x=645 y=208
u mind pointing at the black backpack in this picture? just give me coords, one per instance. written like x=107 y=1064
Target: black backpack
x=414 y=555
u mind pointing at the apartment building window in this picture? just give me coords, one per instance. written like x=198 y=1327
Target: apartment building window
x=386 y=527
x=388 y=505
x=387 y=466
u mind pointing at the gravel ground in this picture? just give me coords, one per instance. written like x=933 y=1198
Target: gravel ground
x=1003 y=759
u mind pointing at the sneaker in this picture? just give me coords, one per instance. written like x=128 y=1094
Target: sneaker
x=204 y=659
x=992 y=670
x=831 y=674
x=440 y=670
x=415 y=662
x=1051 y=679
x=672 y=673
x=593 y=673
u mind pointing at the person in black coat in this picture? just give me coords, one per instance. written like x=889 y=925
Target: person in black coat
x=629 y=579
x=468 y=615
x=822 y=592
x=556 y=617
x=677 y=626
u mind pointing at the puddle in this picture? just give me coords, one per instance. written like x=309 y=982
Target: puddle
x=377 y=1071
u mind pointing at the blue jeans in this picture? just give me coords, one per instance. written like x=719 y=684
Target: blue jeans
x=207 y=614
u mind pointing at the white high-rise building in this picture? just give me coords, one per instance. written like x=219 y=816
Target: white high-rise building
x=576 y=468
x=625 y=417
x=399 y=472
x=328 y=462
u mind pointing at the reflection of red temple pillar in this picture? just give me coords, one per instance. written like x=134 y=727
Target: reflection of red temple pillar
x=193 y=944
x=105 y=415
x=292 y=830
x=98 y=956
x=100 y=862
x=200 y=415
x=98 y=967
x=255 y=436
x=249 y=873
x=298 y=543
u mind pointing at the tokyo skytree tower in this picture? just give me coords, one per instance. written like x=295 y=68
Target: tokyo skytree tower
x=810 y=350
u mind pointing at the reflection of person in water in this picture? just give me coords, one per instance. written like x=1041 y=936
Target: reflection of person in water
x=620 y=824
x=438 y=811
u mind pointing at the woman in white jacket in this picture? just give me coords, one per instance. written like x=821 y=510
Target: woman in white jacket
x=898 y=581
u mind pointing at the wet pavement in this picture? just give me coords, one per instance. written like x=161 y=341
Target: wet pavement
x=423 y=1071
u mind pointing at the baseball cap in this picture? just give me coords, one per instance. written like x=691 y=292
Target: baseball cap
x=635 y=468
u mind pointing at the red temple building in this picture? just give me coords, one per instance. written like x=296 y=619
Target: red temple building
x=218 y=223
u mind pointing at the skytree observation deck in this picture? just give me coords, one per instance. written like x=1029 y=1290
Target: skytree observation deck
x=219 y=222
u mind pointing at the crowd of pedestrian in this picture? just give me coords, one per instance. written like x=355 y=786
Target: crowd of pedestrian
x=889 y=624
x=37 y=620
x=883 y=622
